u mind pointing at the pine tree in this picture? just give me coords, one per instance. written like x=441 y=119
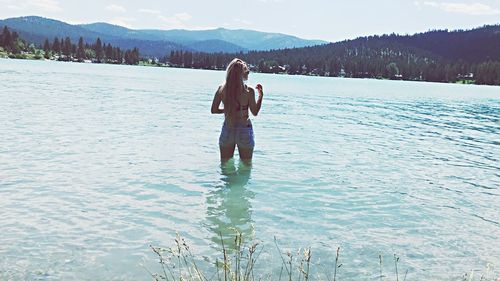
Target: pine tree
x=7 y=41
x=56 y=46
x=46 y=49
x=67 y=47
x=171 y=57
x=135 y=56
x=98 y=49
x=16 y=43
x=126 y=57
x=109 y=52
x=80 y=50
x=117 y=55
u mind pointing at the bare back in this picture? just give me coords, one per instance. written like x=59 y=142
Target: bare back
x=243 y=103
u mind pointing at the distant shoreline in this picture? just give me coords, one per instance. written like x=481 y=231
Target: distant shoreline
x=162 y=65
x=463 y=57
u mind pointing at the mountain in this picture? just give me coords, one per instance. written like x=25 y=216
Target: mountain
x=37 y=29
x=215 y=46
x=151 y=42
x=476 y=45
x=437 y=56
x=246 y=39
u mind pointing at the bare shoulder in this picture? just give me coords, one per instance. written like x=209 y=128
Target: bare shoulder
x=219 y=90
x=250 y=94
x=250 y=90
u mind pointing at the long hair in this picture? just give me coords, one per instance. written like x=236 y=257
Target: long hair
x=233 y=87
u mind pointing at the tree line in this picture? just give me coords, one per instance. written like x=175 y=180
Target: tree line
x=383 y=57
x=63 y=49
x=472 y=58
x=11 y=42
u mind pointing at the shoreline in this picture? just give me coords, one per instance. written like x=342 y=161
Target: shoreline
x=162 y=65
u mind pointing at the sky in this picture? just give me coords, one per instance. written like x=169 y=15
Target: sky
x=329 y=20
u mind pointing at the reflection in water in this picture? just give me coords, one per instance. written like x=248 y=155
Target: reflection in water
x=228 y=204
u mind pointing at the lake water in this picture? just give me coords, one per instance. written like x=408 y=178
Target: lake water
x=97 y=162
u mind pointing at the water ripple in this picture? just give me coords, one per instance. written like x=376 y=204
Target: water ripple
x=97 y=162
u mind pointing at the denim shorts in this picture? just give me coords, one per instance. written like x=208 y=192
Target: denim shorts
x=240 y=135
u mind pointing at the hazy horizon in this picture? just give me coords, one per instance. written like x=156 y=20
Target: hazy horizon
x=229 y=28
x=318 y=19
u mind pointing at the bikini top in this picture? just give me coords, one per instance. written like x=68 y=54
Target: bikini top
x=239 y=107
x=242 y=109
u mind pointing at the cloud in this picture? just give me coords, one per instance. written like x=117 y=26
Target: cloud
x=10 y=5
x=175 y=21
x=46 y=5
x=183 y=16
x=149 y=11
x=116 y=8
x=474 y=9
x=122 y=21
x=39 y=5
x=242 y=21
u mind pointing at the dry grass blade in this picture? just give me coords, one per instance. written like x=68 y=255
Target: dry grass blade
x=240 y=265
x=380 y=263
x=396 y=259
x=336 y=264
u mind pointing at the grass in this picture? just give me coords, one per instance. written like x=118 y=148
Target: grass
x=239 y=263
x=466 y=82
x=3 y=53
x=178 y=262
x=23 y=56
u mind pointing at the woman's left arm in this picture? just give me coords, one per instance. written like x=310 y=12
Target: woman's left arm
x=255 y=105
x=216 y=102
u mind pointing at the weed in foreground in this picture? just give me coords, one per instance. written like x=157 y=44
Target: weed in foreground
x=239 y=264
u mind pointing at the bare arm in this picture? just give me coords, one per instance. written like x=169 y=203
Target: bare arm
x=255 y=105
x=216 y=102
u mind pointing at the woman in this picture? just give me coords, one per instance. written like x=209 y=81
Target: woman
x=237 y=98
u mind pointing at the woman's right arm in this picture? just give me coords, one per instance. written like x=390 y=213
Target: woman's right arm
x=216 y=102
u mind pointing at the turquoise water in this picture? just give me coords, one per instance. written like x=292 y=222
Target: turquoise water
x=97 y=162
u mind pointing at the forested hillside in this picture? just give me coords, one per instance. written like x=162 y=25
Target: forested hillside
x=437 y=56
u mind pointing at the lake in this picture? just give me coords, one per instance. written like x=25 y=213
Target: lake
x=97 y=162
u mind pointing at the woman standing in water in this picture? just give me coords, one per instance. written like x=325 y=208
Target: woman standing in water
x=237 y=98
